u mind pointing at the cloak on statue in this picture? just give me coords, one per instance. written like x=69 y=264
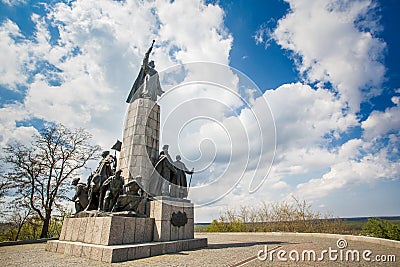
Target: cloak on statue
x=147 y=83
x=163 y=172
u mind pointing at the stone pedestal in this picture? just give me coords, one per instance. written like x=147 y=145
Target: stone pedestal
x=120 y=253
x=140 y=143
x=114 y=230
x=169 y=229
x=168 y=226
x=162 y=210
x=117 y=239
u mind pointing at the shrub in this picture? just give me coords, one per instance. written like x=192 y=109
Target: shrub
x=381 y=228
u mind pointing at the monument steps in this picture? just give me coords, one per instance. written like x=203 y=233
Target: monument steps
x=125 y=252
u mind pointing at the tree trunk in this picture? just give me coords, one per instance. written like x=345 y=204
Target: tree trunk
x=18 y=232
x=45 y=228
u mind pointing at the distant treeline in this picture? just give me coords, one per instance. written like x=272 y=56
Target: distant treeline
x=350 y=219
x=364 y=219
x=299 y=217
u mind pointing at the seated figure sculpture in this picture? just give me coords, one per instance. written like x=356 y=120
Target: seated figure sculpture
x=133 y=199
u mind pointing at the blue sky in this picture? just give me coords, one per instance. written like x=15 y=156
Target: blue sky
x=328 y=69
x=243 y=18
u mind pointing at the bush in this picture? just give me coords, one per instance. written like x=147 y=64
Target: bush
x=381 y=228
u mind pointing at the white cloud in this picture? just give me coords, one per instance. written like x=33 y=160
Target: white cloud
x=9 y=116
x=380 y=123
x=350 y=173
x=14 y=55
x=263 y=35
x=179 y=21
x=363 y=160
x=99 y=52
x=304 y=115
x=306 y=121
x=331 y=43
x=14 y=2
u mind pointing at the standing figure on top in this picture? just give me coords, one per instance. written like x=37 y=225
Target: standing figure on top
x=147 y=84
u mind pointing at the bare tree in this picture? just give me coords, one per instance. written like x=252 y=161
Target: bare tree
x=4 y=184
x=40 y=171
x=18 y=215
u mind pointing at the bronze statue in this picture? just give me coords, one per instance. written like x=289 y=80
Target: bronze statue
x=163 y=172
x=95 y=181
x=166 y=153
x=133 y=200
x=147 y=83
x=81 y=195
x=180 y=190
x=110 y=191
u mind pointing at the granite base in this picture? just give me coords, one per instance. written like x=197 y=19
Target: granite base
x=127 y=252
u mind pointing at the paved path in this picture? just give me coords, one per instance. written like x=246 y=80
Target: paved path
x=230 y=249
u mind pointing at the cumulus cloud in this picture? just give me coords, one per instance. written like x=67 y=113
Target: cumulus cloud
x=14 y=2
x=349 y=173
x=220 y=127
x=381 y=123
x=372 y=157
x=306 y=120
x=15 y=53
x=93 y=51
x=334 y=42
x=9 y=115
x=335 y=48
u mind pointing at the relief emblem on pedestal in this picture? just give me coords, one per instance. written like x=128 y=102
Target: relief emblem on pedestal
x=178 y=219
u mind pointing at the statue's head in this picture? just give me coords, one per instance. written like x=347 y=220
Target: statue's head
x=75 y=181
x=105 y=154
x=178 y=157
x=151 y=64
x=165 y=147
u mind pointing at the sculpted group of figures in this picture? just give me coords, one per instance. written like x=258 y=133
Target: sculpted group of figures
x=106 y=191
x=103 y=188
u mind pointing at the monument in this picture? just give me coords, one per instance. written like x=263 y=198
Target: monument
x=135 y=207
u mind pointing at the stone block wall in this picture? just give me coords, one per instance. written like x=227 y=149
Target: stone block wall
x=107 y=231
x=140 y=143
x=162 y=210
